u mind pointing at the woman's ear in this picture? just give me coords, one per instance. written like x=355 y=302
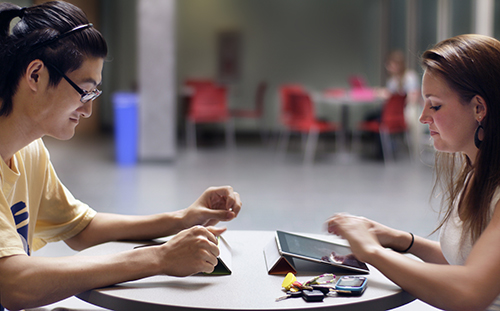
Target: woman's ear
x=480 y=108
x=33 y=74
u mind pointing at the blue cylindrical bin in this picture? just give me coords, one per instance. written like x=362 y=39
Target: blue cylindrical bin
x=125 y=107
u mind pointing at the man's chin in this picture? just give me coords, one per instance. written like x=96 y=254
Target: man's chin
x=65 y=136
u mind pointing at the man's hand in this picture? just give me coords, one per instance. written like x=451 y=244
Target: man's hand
x=214 y=205
x=191 y=251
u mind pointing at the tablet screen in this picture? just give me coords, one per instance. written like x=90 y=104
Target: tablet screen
x=318 y=250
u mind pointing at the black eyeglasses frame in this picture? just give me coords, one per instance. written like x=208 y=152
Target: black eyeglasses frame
x=86 y=96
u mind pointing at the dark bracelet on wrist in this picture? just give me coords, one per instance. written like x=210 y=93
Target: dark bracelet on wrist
x=411 y=244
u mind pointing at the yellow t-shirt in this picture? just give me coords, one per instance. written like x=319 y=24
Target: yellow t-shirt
x=35 y=207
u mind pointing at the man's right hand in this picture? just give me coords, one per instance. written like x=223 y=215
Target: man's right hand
x=191 y=251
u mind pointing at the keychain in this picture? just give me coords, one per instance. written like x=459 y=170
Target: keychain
x=294 y=288
x=327 y=278
x=288 y=281
x=317 y=288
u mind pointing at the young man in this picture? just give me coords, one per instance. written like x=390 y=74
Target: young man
x=50 y=68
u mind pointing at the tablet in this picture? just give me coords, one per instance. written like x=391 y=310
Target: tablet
x=302 y=247
x=224 y=260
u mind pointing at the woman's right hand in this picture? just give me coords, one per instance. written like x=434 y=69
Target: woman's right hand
x=344 y=225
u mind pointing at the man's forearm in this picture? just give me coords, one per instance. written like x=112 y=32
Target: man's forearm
x=113 y=227
x=34 y=281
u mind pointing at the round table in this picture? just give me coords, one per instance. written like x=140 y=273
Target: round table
x=249 y=287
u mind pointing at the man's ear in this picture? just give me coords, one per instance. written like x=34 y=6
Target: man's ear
x=33 y=74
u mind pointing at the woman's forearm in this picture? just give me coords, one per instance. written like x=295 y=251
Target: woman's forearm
x=442 y=286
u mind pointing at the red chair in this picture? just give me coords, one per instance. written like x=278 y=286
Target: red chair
x=297 y=115
x=258 y=110
x=195 y=84
x=208 y=105
x=392 y=121
x=259 y=105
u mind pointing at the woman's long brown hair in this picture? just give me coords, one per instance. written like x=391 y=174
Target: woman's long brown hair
x=470 y=64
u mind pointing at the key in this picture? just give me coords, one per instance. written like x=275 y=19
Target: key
x=289 y=294
x=288 y=281
x=324 y=289
x=313 y=295
x=329 y=291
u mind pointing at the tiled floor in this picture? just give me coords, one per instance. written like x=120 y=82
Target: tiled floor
x=277 y=192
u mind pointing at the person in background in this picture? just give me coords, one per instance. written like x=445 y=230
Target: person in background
x=50 y=70
x=462 y=111
x=405 y=81
x=402 y=80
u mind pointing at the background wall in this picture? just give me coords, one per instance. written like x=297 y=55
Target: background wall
x=119 y=27
x=318 y=43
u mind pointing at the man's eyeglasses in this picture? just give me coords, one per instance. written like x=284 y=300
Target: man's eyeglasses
x=86 y=96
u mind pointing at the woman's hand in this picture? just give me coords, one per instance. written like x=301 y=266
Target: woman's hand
x=386 y=236
x=358 y=231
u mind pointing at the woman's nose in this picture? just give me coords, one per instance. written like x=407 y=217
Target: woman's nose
x=424 y=117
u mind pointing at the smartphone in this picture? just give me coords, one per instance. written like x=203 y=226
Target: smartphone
x=351 y=285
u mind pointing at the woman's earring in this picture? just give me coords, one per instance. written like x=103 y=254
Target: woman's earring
x=477 y=141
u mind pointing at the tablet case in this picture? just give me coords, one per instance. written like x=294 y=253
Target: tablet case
x=277 y=263
x=224 y=261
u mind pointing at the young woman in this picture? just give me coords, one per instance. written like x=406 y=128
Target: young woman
x=50 y=68
x=461 y=91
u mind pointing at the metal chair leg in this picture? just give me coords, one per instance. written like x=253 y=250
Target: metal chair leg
x=230 y=135
x=283 y=141
x=387 y=151
x=311 y=144
x=191 y=135
x=357 y=137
